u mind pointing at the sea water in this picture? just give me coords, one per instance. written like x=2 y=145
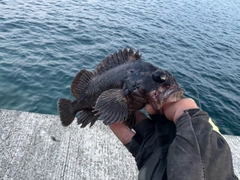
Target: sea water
x=43 y=44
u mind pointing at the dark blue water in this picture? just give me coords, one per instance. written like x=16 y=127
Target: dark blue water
x=43 y=44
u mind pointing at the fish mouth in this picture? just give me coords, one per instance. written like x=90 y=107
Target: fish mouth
x=170 y=95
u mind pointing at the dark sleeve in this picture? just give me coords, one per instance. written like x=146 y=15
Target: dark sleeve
x=198 y=152
x=150 y=146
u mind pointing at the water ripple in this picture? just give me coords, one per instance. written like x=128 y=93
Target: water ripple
x=45 y=43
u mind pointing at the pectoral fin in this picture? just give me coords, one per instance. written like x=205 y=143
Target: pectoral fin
x=111 y=105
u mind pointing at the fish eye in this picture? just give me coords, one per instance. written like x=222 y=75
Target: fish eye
x=159 y=76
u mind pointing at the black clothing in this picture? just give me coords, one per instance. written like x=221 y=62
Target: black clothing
x=189 y=150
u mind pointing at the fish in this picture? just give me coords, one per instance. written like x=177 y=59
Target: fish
x=121 y=84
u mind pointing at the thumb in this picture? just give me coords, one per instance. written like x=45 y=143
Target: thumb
x=174 y=110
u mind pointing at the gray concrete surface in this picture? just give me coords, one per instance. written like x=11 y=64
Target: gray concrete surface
x=36 y=146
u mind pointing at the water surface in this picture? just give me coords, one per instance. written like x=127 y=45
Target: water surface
x=43 y=44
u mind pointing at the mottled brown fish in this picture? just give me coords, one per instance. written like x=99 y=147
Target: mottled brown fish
x=121 y=84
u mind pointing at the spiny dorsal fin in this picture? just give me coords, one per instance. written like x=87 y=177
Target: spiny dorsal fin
x=116 y=59
x=80 y=82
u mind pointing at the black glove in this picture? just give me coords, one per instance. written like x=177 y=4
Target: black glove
x=150 y=146
x=197 y=152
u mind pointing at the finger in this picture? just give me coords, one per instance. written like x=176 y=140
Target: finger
x=123 y=133
x=150 y=109
x=156 y=117
x=134 y=145
x=153 y=113
x=129 y=139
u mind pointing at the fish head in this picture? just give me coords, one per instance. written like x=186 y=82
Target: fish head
x=164 y=89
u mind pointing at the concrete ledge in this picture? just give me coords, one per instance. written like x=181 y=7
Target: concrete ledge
x=36 y=146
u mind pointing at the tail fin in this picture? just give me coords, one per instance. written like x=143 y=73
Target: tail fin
x=65 y=109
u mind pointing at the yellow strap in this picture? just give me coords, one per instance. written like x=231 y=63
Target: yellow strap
x=215 y=128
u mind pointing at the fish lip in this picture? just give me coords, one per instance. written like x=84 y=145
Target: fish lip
x=159 y=97
x=172 y=95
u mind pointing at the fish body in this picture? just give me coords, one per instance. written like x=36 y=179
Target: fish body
x=121 y=84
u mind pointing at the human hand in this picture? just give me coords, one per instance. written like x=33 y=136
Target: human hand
x=148 y=141
x=151 y=138
x=161 y=155
x=175 y=109
x=172 y=111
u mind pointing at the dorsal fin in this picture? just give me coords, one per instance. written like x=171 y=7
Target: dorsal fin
x=116 y=59
x=80 y=82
